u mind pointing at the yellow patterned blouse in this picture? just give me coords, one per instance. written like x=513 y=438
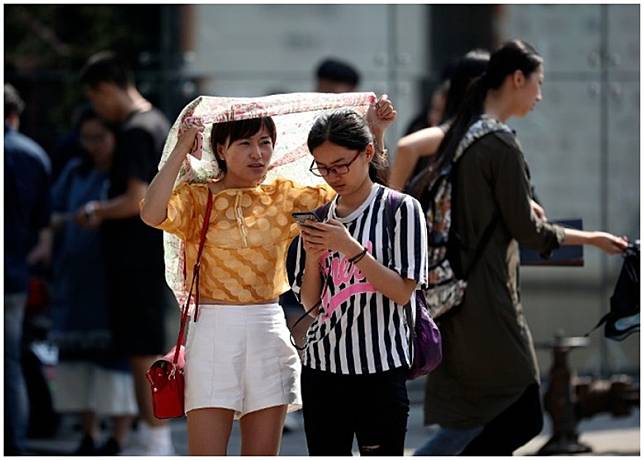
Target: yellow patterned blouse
x=250 y=229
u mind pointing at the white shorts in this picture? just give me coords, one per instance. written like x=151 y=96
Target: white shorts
x=240 y=357
x=83 y=386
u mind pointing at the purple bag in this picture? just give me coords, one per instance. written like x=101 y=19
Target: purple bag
x=425 y=342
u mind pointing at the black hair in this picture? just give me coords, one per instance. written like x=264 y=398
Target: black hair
x=230 y=131
x=347 y=128
x=466 y=69
x=87 y=113
x=106 y=67
x=13 y=103
x=338 y=71
x=510 y=57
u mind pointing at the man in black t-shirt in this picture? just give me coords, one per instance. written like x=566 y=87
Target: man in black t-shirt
x=138 y=293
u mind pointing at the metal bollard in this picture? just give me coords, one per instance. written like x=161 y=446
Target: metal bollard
x=559 y=401
x=569 y=399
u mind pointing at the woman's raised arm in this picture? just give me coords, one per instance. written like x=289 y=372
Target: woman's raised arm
x=155 y=202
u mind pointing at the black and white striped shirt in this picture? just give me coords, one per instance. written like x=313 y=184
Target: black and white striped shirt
x=359 y=330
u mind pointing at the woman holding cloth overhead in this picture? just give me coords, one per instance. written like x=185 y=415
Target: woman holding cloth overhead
x=239 y=360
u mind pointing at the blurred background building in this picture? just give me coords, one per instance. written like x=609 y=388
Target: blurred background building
x=582 y=142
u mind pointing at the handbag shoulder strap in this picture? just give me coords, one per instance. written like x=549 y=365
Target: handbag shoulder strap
x=195 y=281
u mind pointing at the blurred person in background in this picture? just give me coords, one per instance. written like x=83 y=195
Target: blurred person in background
x=438 y=104
x=90 y=378
x=27 y=171
x=415 y=150
x=137 y=290
x=335 y=76
x=431 y=114
x=485 y=394
x=67 y=146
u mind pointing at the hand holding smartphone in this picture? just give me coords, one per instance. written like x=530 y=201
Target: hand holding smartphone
x=302 y=217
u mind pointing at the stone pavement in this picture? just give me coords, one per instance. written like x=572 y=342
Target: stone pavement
x=606 y=435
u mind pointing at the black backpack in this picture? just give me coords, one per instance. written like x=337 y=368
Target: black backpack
x=623 y=319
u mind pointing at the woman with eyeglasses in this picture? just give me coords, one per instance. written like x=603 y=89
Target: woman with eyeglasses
x=91 y=379
x=355 y=272
x=240 y=363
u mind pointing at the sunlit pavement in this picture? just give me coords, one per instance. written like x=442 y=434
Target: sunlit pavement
x=605 y=434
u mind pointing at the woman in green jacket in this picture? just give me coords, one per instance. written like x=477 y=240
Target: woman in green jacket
x=485 y=394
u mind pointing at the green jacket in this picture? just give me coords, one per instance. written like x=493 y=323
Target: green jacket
x=488 y=354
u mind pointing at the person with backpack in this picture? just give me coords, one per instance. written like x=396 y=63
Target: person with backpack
x=417 y=150
x=356 y=270
x=485 y=394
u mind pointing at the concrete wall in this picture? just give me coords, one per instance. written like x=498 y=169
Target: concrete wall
x=248 y=50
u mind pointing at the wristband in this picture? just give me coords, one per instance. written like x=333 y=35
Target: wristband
x=357 y=258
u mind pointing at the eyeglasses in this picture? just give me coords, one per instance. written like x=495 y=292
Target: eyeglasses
x=93 y=140
x=338 y=170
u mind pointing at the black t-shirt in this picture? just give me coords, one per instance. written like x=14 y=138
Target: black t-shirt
x=129 y=242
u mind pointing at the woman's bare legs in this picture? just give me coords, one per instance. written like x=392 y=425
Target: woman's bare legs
x=261 y=431
x=209 y=431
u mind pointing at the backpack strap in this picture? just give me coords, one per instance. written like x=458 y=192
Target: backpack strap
x=393 y=202
x=484 y=126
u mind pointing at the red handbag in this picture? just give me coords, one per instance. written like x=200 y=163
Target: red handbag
x=166 y=375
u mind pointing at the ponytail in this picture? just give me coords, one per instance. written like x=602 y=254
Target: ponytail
x=470 y=110
x=512 y=56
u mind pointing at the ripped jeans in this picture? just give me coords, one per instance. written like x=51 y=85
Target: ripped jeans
x=374 y=408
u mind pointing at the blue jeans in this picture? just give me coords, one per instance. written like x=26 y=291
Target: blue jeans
x=501 y=436
x=16 y=403
x=448 y=441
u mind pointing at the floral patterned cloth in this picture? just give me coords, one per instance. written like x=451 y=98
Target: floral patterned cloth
x=293 y=114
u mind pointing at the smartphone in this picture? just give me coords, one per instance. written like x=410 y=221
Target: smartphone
x=302 y=217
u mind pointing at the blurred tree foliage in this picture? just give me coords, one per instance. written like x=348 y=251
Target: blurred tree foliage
x=46 y=46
